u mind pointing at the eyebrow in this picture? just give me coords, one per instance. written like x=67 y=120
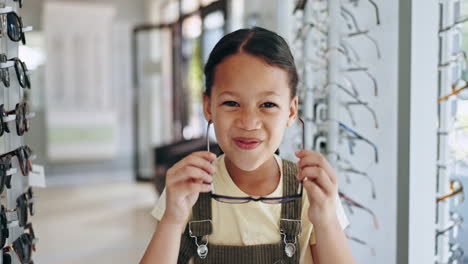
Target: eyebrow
x=267 y=93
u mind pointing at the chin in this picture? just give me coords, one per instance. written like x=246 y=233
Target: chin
x=247 y=161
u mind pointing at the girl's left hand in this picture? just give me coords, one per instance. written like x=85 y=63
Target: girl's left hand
x=321 y=186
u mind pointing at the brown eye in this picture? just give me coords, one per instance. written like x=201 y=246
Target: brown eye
x=268 y=105
x=230 y=103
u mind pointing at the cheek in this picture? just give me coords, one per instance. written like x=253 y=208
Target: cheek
x=276 y=130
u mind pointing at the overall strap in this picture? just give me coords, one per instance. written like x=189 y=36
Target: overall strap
x=201 y=224
x=290 y=222
x=291 y=210
x=187 y=249
x=197 y=229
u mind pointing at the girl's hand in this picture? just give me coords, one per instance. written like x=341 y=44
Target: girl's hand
x=184 y=181
x=321 y=186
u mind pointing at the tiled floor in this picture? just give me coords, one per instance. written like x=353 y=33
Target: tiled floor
x=93 y=224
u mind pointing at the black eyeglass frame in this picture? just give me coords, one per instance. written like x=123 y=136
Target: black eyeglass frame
x=21 y=71
x=23 y=154
x=21 y=112
x=13 y=25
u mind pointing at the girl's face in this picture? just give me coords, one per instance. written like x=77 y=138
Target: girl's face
x=250 y=106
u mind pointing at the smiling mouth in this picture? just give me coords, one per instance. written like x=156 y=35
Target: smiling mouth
x=247 y=143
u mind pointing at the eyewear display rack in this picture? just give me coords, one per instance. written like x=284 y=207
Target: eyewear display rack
x=452 y=60
x=17 y=197
x=326 y=60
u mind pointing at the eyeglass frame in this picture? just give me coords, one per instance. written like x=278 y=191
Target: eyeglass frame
x=19 y=245
x=4 y=21
x=21 y=112
x=453 y=191
x=350 y=202
x=23 y=154
x=21 y=71
x=24 y=203
x=455 y=91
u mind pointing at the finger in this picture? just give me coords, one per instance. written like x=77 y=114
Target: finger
x=312 y=158
x=208 y=156
x=314 y=193
x=200 y=160
x=188 y=188
x=194 y=174
x=318 y=175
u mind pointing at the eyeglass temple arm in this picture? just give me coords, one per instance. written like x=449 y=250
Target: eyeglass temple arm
x=349 y=130
x=365 y=33
x=454 y=92
x=461 y=21
x=346 y=13
x=455 y=224
x=377 y=12
x=356 y=204
x=453 y=193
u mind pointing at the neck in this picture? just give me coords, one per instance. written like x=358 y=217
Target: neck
x=259 y=182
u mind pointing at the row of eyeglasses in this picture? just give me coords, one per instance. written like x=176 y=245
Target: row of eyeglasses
x=451 y=91
x=314 y=29
x=20 y=249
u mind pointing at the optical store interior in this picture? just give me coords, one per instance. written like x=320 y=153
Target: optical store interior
x=102 y=99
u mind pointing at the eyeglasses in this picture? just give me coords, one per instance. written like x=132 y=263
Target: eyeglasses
x=350 y=202
x=454 y=25
x=456 y=220
x=456 y=187
x=23 y=246
x=21 y=113
x=4 y=232
x=459 y=89
x=242 y=200
x=20 y=69
x=356 y=101
x=355 y=68
x=460 y=57
x=376 y=7
x=12 y=25
x=24 y=202
x=349 y=169
x=24 y=154
x=5 y=174
x=356 y=135
x=365 y=33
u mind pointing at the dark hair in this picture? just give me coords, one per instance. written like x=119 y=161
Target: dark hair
x=259 y=42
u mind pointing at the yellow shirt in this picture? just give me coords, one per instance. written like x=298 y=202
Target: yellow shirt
x=255 y=222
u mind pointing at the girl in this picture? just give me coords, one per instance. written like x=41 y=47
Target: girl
x=256 y=216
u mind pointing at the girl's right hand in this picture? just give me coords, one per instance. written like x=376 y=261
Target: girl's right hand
x=184 y=181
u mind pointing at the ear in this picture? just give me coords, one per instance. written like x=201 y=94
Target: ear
x=293 y=111
x=207 y=107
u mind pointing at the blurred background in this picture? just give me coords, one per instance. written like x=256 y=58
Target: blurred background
x=116 y=91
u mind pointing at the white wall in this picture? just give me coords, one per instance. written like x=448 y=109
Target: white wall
x=128 y=14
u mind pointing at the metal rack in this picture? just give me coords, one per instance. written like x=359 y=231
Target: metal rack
x=450 y=72
x=323 y=57
x=11 y=141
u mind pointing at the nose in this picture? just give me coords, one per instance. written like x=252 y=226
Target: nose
x=248 y=120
